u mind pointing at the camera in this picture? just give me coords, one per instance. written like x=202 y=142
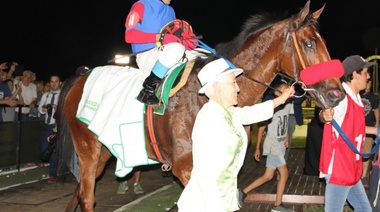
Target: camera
x=45 y=155
x=49 y=109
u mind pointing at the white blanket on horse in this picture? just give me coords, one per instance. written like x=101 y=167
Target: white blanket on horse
x=110 y=109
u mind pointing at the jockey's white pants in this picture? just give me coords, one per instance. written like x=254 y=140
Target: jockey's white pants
x=167 y=55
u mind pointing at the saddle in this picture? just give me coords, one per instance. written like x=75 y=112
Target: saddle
x=174 y=81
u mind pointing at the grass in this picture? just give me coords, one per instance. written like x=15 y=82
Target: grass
x=157 y=202
x=15 y=178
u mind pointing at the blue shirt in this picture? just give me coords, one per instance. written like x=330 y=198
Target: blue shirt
x=4 y=92
x=156 y=15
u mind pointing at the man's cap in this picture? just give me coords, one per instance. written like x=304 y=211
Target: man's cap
x=355 y=63
x=322 y=71
x=215 y=70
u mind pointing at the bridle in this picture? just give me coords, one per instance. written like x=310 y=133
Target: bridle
x=289 y=37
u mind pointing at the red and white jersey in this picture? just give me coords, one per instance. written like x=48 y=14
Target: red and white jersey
x=337 y=158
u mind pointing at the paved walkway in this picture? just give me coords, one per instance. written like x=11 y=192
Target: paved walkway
x=41 y=196
x=300 y=189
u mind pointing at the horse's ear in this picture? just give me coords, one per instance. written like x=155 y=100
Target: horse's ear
x=317 y=13
x=302 y=14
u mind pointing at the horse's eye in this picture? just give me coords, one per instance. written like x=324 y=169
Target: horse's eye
x=309 y=44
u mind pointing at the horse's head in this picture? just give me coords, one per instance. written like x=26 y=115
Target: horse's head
x=304 y=47
x=269 y=43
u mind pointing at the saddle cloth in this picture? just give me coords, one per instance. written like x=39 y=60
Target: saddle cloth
x=110 y=109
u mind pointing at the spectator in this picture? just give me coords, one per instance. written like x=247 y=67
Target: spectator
x=34 y=114
x=28 y=96
x=339 y=164
x=220 y=141
x=371 y=119
x=3 y=66
x=143 y=25
x=46 y=87
x=6 y=97
x=123 y=185
x=11 y=69
x=3 y=73
x=49 y=102
x=9 y=112
x=275 y=145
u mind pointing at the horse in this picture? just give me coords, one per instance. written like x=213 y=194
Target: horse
x=267 y=45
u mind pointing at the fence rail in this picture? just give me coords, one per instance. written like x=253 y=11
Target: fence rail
x=20 y=142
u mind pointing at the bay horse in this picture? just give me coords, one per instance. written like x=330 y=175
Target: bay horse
x=265 y=46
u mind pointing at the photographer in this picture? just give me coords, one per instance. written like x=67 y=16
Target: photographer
x=48 y=106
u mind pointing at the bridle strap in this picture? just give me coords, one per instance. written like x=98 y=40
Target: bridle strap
x=295 y=43
x=294 y=48
x=261 y=83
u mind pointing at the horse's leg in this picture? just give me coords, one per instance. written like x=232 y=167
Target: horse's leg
x=105 y=155
x=88 y=150
x=86 y=146
x=74 y=200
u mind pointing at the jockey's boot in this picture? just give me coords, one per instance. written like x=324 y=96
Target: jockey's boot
x=147 y=94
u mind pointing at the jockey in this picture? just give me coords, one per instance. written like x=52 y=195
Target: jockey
x=155 y=52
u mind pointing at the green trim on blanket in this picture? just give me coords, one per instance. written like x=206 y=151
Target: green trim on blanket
x=164 y=89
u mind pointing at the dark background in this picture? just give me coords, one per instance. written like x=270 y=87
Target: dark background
x=57 y=36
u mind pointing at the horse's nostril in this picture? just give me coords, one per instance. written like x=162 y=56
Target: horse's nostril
x=336 y=93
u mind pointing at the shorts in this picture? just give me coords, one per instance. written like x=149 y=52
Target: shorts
x=274 y=161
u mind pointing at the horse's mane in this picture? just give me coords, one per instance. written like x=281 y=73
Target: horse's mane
x=252 y=25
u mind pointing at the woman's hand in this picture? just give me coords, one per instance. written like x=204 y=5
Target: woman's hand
x=285 y=95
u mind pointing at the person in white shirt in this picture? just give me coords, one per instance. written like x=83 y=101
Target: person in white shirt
x=28 y=96
x=220 y=141
x=48 y=106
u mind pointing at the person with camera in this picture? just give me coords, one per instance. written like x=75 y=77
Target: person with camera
x=48 y=106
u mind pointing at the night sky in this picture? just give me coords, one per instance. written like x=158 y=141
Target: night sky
x=57 y=36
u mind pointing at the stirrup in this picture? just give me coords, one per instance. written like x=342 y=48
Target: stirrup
x=147 y=98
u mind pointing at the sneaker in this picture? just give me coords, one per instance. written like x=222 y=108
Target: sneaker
x=51 y=180
x=137 y=188
x=281 y=207
x=123 y=187
x=241 y=197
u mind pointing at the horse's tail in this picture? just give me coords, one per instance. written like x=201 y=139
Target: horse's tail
x=65 y=147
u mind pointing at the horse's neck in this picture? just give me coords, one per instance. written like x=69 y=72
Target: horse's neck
x=260 y=62
x=257 y=77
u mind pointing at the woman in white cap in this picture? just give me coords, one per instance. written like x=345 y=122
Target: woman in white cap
x=220 y=141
